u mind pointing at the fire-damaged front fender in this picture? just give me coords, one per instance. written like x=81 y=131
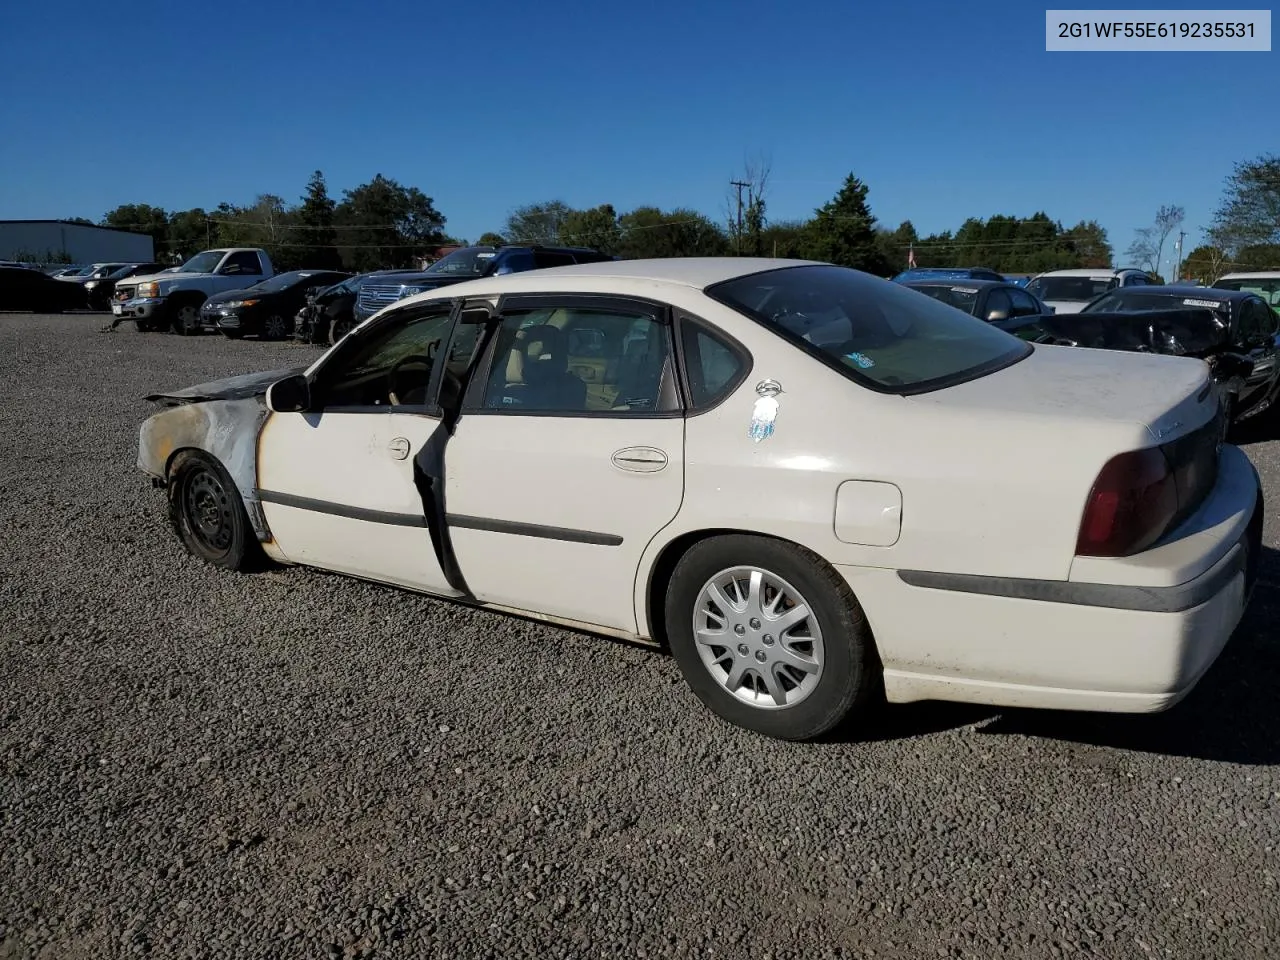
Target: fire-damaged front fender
x=227 y=430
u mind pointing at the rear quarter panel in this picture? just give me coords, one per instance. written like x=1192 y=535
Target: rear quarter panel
x=999 y=494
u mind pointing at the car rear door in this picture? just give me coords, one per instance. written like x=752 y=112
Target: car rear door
x=567 y=458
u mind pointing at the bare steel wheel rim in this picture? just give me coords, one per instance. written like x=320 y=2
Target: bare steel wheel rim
x=758 y=637
x=208 y=509
x=275 y=326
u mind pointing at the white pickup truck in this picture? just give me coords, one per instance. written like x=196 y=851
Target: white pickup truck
x=172 y=298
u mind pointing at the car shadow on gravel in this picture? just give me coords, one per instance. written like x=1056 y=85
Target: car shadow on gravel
x=1230 y=716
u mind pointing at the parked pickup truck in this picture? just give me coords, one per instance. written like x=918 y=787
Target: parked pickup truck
x=172 y=298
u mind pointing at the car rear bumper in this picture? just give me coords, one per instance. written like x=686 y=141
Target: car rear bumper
x=1118 y=647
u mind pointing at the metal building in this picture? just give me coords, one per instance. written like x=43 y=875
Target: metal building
x=47 y=241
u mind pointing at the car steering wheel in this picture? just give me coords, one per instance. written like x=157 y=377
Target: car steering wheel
x=393 y=376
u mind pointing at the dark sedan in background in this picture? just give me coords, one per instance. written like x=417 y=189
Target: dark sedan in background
x=1234 y=331
x=266 y=309
x=101 y=284
x=992 y=300
x=24 y=289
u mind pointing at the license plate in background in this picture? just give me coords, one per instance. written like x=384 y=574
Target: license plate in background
x=117 y=308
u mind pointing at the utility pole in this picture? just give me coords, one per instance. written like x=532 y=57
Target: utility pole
x=1177 y=272
x=739 y=184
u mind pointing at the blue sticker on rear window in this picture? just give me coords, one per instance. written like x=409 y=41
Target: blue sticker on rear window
x=861 y=359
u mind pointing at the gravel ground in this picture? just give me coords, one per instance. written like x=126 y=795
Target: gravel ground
x=202 y=764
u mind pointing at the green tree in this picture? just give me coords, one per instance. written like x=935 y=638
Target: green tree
x=191 y=231
x=783 y=238
x=1205 y=263
x=316 y=242
x=1249 y=214
x=895 y=245
x=1088 y=240
x=597 y=228
x=390 y=225
x=491 y=239
x=141 y=218
x=651 y=232
x=537 y=222
x=843 y=231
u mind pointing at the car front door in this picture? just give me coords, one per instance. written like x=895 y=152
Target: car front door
x=567 y=458
x=1257 y=336
x=337 y=483
x=242 y=269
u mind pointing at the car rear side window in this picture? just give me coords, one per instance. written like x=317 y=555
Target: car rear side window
x=548 y=258
x=713 y=367
x=1257 y=321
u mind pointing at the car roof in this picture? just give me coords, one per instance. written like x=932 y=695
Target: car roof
x=1182 y=290
x=1252 y=275
x=696 y=273
x=1088 y=272
x=978 y=282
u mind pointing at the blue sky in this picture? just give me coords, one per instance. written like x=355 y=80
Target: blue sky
x=946 y=110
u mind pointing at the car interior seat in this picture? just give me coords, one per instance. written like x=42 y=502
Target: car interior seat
x=537 y=374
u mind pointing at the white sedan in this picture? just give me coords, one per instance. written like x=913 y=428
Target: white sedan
x=815 y=486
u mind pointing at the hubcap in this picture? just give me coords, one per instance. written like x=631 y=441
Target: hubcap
x=758 y=637
x=208 y=510
x=188 y=316
x=275 y=326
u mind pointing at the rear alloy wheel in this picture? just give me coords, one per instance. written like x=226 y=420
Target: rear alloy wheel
x=275 y=327
x=769 y=637
x=186 y=319
x=208 y=515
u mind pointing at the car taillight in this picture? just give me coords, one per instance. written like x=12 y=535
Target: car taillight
x=1132 y=503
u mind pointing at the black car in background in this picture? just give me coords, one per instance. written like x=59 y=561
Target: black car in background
x=266 y=308
x=1234 y=331
x=101 y=284
x=328 y=315
x=992 y=300
x=24 y=289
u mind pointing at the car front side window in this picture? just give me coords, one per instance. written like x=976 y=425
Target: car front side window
x=389 y=366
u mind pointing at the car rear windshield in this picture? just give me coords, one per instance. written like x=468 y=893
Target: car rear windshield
x=1123 y=302
x=1268 y=290
x=285 y=281
x=1077 y=289
x=962 y=298
x=878 y=333
x=467 y=262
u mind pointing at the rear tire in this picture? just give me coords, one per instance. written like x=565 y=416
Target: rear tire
x=798 y=674
x=208 y=515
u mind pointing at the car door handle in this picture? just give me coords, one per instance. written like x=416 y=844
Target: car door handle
x=398 y=448
x=640 y=459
